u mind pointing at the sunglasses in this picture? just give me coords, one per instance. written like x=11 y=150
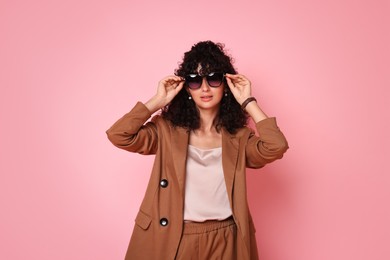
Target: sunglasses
x=214 y=79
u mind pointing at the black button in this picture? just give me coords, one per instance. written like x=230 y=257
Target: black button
x=164 y=183
x=163 y=222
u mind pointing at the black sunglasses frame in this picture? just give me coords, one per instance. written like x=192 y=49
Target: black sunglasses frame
x=191 y=79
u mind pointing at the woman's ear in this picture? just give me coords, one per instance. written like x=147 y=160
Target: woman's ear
x=188 y=92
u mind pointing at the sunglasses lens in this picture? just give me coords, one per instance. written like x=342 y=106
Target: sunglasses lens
x=215 y=79
x=193 y=81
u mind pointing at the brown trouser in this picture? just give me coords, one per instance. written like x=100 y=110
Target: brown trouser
x=210 y=240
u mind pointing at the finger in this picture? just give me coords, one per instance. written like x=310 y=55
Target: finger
x=229 y=76
x=179 y=78
x=238 y=77
x=179 y=87
x=233 y=76
x=230 y=84
x=171 y=81
x=176 y=78
x=172 y=78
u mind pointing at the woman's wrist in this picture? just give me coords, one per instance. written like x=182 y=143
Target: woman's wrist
x=254 y=111
x=154 y=104
x=247 y=101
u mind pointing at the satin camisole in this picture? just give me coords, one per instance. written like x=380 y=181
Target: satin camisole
x=205 y=189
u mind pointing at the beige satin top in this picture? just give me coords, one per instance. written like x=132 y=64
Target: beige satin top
x=206 y=197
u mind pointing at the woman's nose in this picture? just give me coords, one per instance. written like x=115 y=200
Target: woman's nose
x=205 y=86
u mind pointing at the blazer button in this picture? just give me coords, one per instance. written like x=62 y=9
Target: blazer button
x=163 y=222
x=164 y=183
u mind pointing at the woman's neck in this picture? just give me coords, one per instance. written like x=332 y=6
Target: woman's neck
x=207 y=120
x=206 y=136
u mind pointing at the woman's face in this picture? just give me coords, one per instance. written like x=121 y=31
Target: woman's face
x=207 y=97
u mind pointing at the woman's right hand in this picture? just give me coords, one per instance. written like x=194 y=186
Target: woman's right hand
x=167 y=89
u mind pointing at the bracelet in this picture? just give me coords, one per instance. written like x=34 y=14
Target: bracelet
x=247 y=101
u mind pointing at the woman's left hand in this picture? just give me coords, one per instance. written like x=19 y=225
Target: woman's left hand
x=240 y=86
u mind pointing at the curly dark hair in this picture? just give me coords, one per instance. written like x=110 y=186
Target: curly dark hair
x=183 y=112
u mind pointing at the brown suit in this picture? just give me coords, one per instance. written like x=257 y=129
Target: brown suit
x=159 y=222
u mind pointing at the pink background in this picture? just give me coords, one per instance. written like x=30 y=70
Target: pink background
x=69 y=69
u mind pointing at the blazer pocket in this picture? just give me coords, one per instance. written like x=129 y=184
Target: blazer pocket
x=143 y=220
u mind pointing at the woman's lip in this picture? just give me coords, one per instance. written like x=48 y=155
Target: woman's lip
x=206 y=98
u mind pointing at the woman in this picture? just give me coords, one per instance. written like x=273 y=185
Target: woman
x=195 y=206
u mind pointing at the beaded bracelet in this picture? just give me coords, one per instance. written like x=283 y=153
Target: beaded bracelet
x=247 y=101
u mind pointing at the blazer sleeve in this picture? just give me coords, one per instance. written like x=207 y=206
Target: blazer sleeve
x=268 y=146
x=132 y=134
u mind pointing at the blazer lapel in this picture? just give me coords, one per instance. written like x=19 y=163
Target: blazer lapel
x=230 y=147
x=179 y=146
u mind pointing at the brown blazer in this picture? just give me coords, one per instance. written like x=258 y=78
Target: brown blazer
x=159 y=223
